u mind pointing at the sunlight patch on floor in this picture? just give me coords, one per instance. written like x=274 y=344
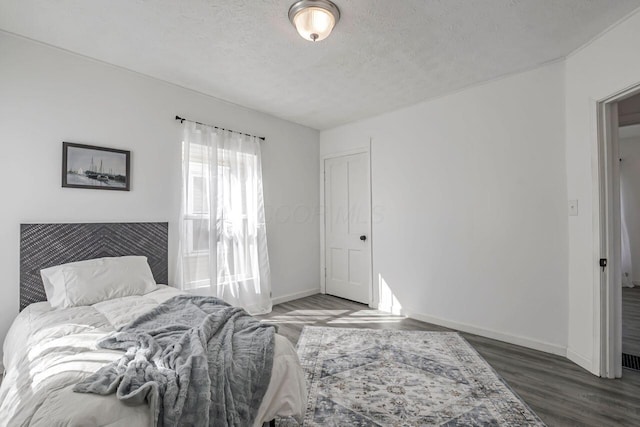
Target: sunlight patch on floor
x=323 y=312
x=365 y=320
x=289 y=321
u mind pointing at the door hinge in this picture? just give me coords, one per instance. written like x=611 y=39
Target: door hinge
x=603 y=263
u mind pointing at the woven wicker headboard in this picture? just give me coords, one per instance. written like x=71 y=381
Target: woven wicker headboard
x=47 y=245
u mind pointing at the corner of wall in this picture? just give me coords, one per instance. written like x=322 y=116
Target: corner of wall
x=297 y=295
x=582 y=361
x=598 y=70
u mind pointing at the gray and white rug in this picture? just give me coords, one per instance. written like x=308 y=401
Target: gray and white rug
x=364 y=377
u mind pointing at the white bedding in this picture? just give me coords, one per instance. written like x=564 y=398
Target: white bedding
x=48 y=351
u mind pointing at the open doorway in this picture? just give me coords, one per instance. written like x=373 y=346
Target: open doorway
x=619 y=212
x=629 y=151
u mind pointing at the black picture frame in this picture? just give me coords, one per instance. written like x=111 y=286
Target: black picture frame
x=97 y=168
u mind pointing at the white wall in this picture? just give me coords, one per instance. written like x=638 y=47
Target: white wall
x=472 y=207
x=48 y=96
x=630 y=193
x=607 y=65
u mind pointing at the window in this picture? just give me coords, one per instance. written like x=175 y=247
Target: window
x=234 y=234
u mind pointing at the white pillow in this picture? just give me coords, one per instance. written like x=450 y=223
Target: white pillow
x=89 y=282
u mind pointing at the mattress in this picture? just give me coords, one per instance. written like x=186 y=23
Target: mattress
x=48 y=351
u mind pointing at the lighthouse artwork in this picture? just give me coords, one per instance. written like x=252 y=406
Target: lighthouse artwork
x=88 y=166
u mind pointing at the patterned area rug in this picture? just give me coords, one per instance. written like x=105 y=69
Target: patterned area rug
x=364 y=377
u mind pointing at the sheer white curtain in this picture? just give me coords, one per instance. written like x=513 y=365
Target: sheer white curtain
x=627 y=265
x=223 y=241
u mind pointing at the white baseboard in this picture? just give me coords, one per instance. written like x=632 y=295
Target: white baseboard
x=488 y=333
x=581 y=361
x=296 y=295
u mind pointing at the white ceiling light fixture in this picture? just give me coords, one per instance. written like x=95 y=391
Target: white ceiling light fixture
x=314 y=19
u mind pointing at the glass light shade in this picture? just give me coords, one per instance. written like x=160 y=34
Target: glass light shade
x=314 y=23
x=314 y=19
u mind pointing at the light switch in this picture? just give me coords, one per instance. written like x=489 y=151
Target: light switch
x=573 y=208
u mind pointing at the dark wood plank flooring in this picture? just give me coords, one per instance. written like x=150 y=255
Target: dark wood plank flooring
x=560 y=392
x=631 y=321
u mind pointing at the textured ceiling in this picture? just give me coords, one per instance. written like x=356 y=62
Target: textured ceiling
x=383 y=54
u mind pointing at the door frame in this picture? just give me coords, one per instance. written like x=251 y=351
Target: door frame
x=323 y=267
x=609 y=289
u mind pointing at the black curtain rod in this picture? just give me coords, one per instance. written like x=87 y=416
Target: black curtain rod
x=182 y=119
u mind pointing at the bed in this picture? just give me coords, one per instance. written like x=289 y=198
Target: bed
x=47 y=351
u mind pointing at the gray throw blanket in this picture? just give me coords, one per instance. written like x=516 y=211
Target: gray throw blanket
x=196 y=361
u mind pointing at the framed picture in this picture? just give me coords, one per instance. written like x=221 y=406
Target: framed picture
x=87 y=166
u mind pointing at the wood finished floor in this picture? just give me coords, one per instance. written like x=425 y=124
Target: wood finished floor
x=631 y=320
x=559 y=391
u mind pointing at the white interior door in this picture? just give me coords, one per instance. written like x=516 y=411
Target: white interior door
x=347 y=227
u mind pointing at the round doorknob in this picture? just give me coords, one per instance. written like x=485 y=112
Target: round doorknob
x=363 y=237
